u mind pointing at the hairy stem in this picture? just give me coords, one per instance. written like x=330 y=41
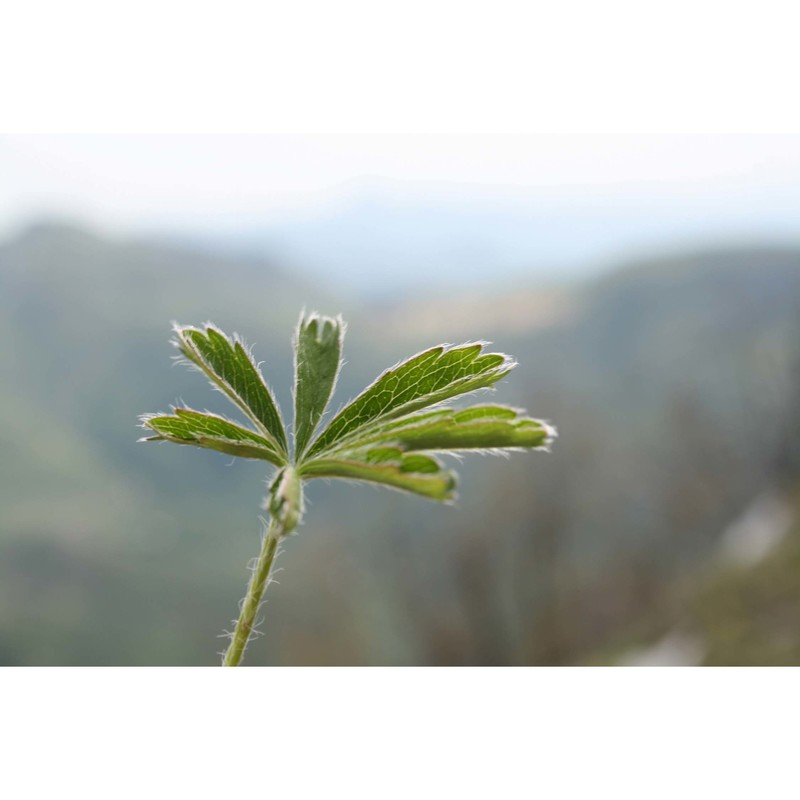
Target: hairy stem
x=255 y=590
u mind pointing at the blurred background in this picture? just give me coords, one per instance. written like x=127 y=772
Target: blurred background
x=649 y=287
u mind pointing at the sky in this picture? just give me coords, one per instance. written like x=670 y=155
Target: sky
x=408 y=206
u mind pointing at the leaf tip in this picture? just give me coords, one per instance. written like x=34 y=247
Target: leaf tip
x=551 y=434
x=324 y=329
x=144 y=420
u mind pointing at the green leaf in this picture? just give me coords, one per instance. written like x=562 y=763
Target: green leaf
x=386 y=435
x=229 y=366
x=389 y=466
x=212 y=432
x=318 y=354
x=489 y=427
x=428 y=378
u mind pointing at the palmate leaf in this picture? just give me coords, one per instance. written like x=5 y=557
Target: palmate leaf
x=318 y=358
x=429 y=378
x=387 y=435
x=210 y=431
x=228 y=365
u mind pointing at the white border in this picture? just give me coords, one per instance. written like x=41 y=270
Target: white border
x=433 y=66
x=399 y=733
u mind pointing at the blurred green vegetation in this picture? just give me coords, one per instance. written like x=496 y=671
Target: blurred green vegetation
x=674 y=385
x=749 y=616
x=733 y=614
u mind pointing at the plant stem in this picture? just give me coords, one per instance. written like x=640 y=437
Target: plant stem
x=255 y=590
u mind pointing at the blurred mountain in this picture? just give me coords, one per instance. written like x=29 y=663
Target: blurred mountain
x=380 y=237
x=673 y=383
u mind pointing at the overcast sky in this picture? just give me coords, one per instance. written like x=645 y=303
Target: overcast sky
x=143 y=181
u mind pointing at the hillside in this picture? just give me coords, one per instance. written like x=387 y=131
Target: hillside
x=742 y=607
x=673 y=384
